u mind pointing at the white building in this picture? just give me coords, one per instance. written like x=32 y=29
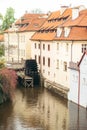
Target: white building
x=61 y=39
x=78 y=81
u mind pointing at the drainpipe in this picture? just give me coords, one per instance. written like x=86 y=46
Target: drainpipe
x=8 y=46
x=40 y=62
x=79 y=88
x=18 y=45
x=40 y=58
x=71 y=50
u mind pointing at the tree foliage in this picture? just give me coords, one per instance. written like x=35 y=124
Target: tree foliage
x=8 y=18
x=8 y=81
x=2 y=61
x=1 y=50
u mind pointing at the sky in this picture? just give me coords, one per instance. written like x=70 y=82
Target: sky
x=21 y=6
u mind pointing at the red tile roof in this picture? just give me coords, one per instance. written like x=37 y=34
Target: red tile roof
x=44 y=36
x=80 y=21
x=34 y=25
x=1 y=37
x=78 y=26
x=29 y=22
x=76 y=33
x=51 y=24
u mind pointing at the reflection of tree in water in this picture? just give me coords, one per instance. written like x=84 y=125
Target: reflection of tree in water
x=5 y=112
x=31 y=95
x=26 y=106
x=35 y=108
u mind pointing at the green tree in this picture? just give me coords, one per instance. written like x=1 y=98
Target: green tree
x=1 y=16
x=2 y=61
x=8 y=82
x=1 y=50
x=8 y=18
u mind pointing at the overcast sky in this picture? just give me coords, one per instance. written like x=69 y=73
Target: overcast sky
x=20 y=6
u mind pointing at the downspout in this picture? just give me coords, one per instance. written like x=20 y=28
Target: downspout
x=71 y=50
x=40 y=58
x=8 y=46
x=18 y=45
x=40 y=63
x=79 y=88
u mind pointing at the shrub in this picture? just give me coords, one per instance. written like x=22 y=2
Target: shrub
x=8 y=81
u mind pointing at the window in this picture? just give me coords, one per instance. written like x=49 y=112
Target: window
x=43 y=60
x=84 y=47
x=57 y=65
x=35 y=45
x=43 y=46
x=43 y=71
x=39 y=46
x=84 y=81
x=35 y=57
x=67 y=46
x=39 y=59
x=57 y=46
x=67 y=31
x=65 y=66
x=48 y=62
x=48 y=73
x=22 y=38
x=59 y=31
x=48 y=47
x=22 y=52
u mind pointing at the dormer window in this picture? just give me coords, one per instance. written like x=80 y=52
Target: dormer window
x=66 y=31
x=36 y=25
x=59 y=31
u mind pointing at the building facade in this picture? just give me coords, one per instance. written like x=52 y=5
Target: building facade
x=17 y=38
x=61 y=39
x=78 y=81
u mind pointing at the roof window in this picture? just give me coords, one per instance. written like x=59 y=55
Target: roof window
x=59 y=31
x=66 y=31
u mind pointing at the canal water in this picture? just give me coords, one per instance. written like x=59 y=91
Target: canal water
x=39 y=109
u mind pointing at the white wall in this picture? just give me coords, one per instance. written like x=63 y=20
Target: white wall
x=53 y=73
x=83 y=82
x=73 y=93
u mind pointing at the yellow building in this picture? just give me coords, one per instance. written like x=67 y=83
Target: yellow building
x=17 y=38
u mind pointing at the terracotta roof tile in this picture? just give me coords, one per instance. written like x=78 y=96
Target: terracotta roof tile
x=80 y=21
x=54 y=20
x=44 y=36
x=76 y=33
x=1 y=37
x=78 y=26
x=34 y=25
x=27 y=18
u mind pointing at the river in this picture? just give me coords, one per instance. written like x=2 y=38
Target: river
x=39 y=109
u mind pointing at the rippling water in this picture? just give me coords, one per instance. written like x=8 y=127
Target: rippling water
x=39 y=109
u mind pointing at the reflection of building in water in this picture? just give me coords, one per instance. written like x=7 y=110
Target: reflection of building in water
x=77 y=117
x=38 y=109
x=54 y=112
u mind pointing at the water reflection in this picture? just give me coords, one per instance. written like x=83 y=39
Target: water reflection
x=78 y=117
x=39 y=109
